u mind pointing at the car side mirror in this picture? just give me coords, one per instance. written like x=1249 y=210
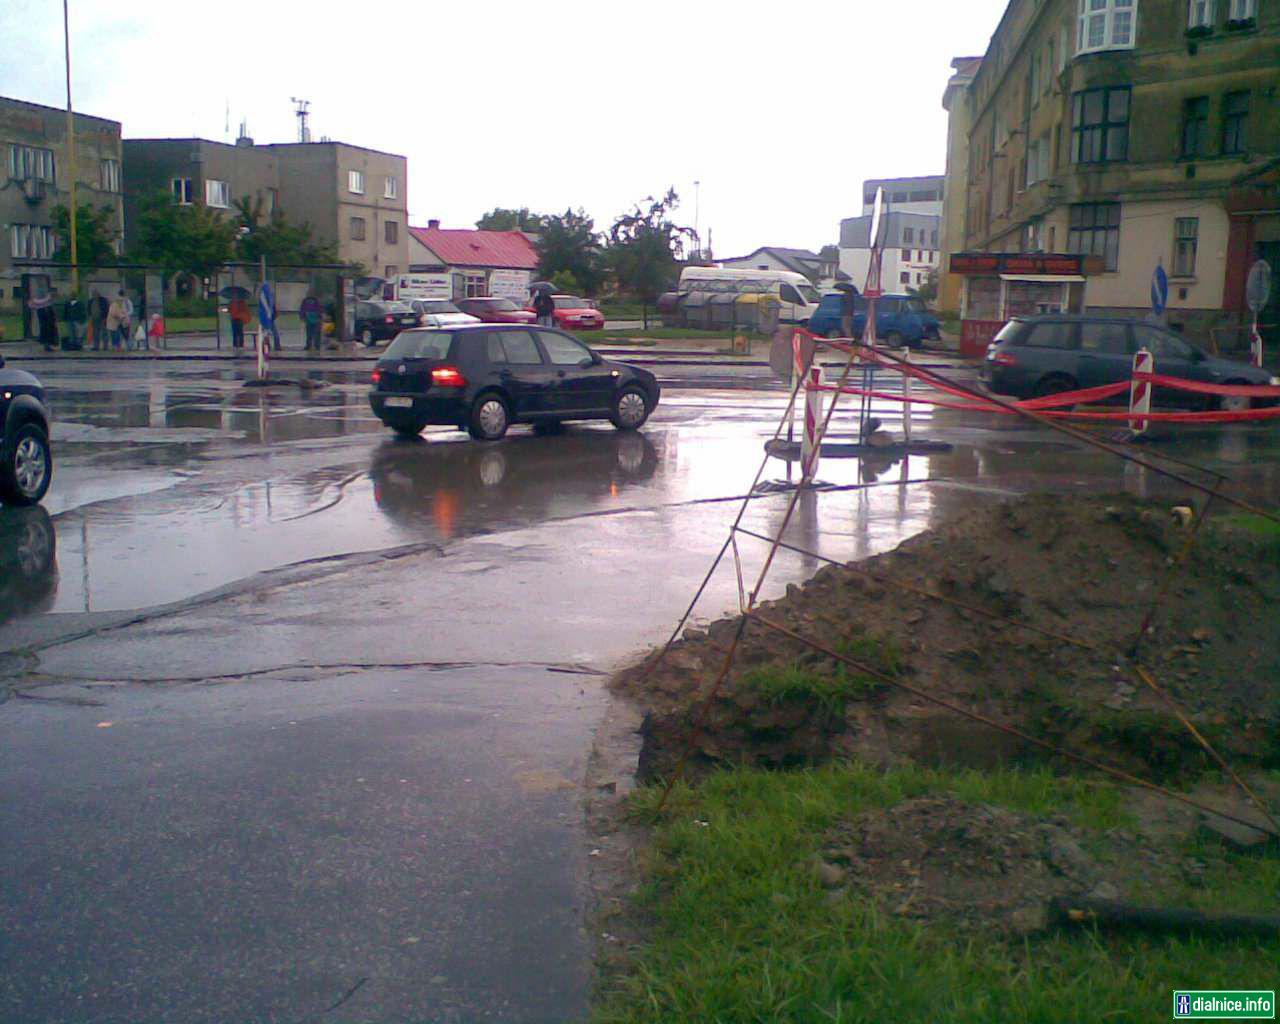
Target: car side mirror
x=586 y=361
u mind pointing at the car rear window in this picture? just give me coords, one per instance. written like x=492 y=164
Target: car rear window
x=421 y=345
x=1059 y=334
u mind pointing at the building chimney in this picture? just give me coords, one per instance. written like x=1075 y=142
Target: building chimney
x=433 y=224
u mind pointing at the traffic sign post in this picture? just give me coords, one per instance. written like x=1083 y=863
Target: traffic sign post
x=1257 y=294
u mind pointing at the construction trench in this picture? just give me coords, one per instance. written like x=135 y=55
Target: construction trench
x=1105 y=637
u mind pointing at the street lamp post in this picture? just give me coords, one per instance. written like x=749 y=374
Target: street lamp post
x=71 y=150
x=697 y=196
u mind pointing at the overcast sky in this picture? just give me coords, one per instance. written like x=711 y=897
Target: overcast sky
x=781 y=110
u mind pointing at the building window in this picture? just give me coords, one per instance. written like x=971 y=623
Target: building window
x=1186 y=233
x=392 y=270
x=355 y=182
x=933 y=238
x=906 y=255
x=182 y=192
x=1235 y=115
x=908 y=236
x=1095 y=231
x=217 y=193
x=391 y=232
x=31 y=162
x=474 y=285
x=904 y=277
x=1200 y=13
x=1050 y=64
x=900 y=197
x=31 y=241
x=391 y=190
x=1100 y=126
x=271 y=200
x=1195 y=125
x=109 y=175
x=920 y=256
x=357 y=229
x=1038 y=160
x=1243 y=10
x=1105 y=25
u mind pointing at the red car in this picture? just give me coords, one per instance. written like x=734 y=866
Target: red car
x=575 y=314
x=493 y=310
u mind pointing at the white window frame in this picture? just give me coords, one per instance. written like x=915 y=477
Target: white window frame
x=391 y=187
x=109 y=172
x=355 y=182
x=183 y=196
x=1186 y=240
x=31 y=162
x=32 y=241
x=1201 y=13
x=1243 y=10
x=217 y=193
x=363 y=236
x=1106 y=25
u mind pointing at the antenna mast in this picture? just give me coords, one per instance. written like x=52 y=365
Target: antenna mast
x=301 y=110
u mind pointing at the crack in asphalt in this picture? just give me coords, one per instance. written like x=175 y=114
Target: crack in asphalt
x=39 y=680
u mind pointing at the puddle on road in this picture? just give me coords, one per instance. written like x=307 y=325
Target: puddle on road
x=171 y=536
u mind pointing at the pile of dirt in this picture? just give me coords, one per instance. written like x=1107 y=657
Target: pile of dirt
x=1087 y=569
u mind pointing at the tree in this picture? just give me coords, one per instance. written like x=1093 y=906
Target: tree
x=565 y=283
x=275 y=238
x=502 y=219
x=645 y=245
x=96 y=235
x=189 y=239
x=927 y=292
x=570 y=242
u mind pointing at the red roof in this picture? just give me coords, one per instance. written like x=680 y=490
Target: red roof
x=459 y=247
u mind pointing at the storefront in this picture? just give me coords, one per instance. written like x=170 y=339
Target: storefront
x=998 y=286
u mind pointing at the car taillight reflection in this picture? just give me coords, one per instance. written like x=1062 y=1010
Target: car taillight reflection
x=448 y=377
x=389 y=319
x=1004 y=359
x=375 y=377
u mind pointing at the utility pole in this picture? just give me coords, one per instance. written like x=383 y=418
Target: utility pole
x=71 y=150
x=697 y=196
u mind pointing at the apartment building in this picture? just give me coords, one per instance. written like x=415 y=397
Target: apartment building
x=35 y=179
x=351 y=196
x=911 y=232
x=1135 y=133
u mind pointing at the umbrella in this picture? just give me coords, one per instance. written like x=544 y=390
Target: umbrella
x=542 y=286
x=234 y=291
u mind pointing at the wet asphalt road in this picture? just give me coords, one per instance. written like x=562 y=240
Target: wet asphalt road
x=294 y=716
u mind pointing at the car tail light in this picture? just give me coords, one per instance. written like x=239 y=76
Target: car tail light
x=448 y=377
x=389 y=319
x=375 y=377
x=1004 y=359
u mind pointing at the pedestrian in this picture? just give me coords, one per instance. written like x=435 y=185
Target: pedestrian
x=848 y=307
x=46 y=322
x=545 y=307
x=155 y=330
x=98 y=306
x=239 y=313
x=310 y=311
x=73 y=312
x=126 y=325
x=116 y=318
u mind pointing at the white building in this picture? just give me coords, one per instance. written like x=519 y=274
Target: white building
x=913 y=223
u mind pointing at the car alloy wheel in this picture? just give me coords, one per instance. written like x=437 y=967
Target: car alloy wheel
x=30 y=466
x=27 y=466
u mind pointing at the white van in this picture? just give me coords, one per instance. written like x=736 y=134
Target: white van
x=796 y=294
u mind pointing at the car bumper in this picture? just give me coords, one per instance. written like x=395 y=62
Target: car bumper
x=440 y=407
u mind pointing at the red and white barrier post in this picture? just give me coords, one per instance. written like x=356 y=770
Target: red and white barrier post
x=1140 y=391
x=809 y=447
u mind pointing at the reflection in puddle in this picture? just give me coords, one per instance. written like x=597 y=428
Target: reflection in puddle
x=28 y=562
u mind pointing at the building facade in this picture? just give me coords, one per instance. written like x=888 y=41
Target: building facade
x=475 y=263
x=956 y=181
x=35 y=179
x=352 y=197
x=906 y=195
x=1142 y=133
x=911 y=249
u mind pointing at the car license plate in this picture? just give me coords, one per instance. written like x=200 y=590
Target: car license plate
x=399 y=403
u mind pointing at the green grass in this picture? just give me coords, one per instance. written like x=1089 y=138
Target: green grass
x=829 y=692
x=742 y=931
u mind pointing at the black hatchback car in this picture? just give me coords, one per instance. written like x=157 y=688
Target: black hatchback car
x=378 y=320
x=484 y=377
x=26 y=460
x=1036 y=356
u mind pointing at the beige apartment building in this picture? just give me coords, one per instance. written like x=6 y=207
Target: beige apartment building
x=35 y=179
x=1134 y=132
x=351 y=196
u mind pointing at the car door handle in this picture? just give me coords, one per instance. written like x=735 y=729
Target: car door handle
x=560 y=374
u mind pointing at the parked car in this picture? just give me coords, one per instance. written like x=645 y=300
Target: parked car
x=483 y=378
x=575 y=314
x=900 y=319
x=1047 y=355
x=493 y=310
x=380 y=319
x=440 y=313
x=26 y=459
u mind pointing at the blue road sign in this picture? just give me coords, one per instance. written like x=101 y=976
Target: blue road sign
x=267 y=307
x=1159 y=291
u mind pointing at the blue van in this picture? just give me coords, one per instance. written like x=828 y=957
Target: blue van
x=900 y=319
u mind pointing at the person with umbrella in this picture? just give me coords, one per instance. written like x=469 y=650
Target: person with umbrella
x=544 y=306
x=238 y=310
